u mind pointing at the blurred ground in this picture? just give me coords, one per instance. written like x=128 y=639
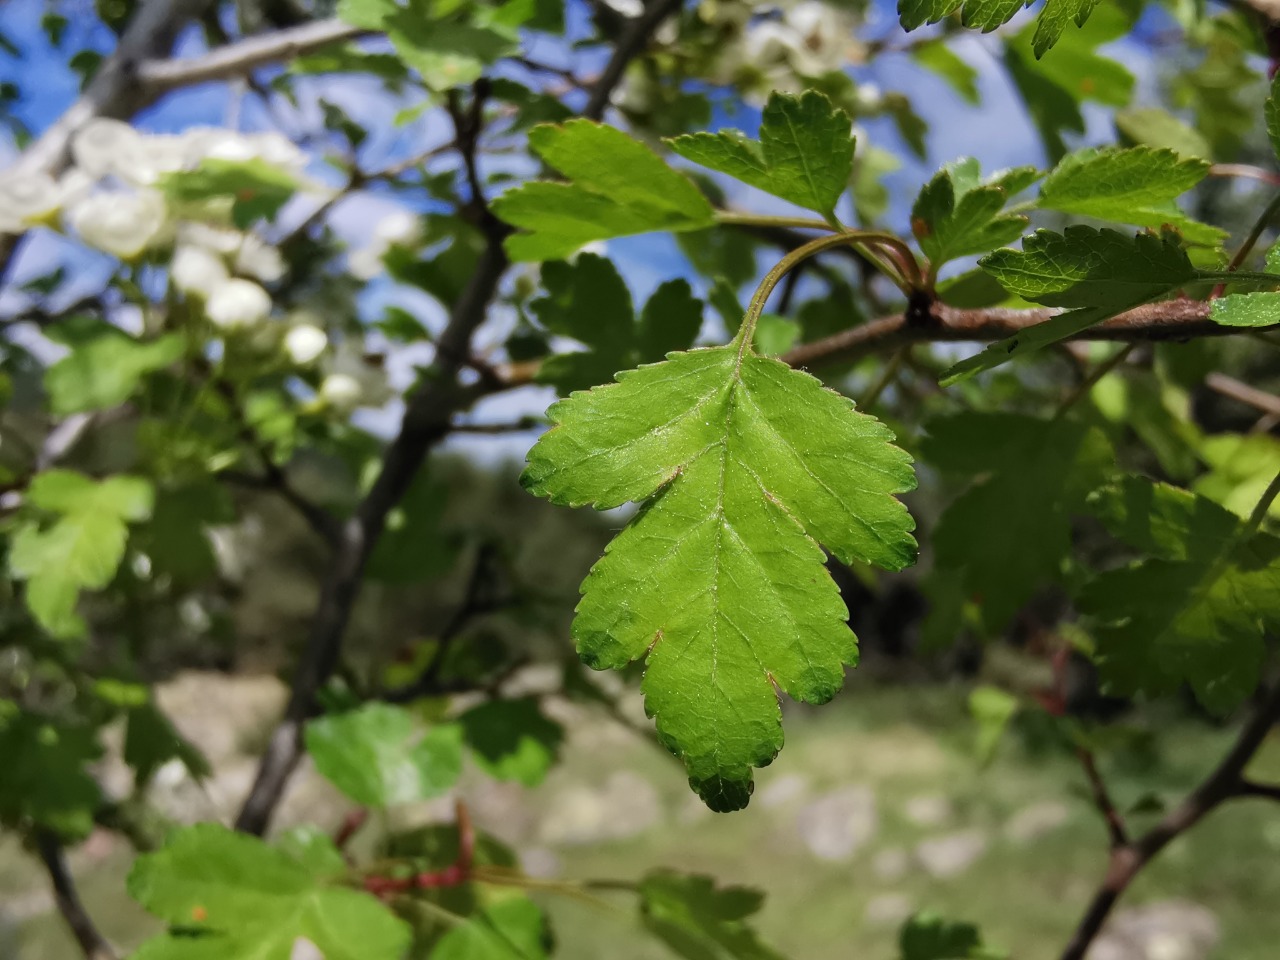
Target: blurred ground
x=877 y=807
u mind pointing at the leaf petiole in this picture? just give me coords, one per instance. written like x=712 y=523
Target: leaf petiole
x=898 y=261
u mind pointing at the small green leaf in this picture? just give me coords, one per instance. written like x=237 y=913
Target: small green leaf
x=1240 y=468
x=698 y=920
x=743 y=467
x=992 y=709
x=82 y=549
x=588 y=301
x=105 y=371
x=617 y=187
x=1197 y=612
x=244 y=899
x=1084 y=267
x=1154 y=127
x=1053 y=20
x=1036 y=474
x=258 y=189
x=1100 y=272
x=1135 y=186
x=512 y=739
x=927 y=936
x=954 y=217
x=804 y=154
x=509 y=930
x=151 y=740
x=45 y=774
x=1246 y=310
x=414 y=547
x=379 y=757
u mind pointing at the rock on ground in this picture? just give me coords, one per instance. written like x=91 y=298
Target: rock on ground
x=1166 y=930
x=1033 y=822
x=952 y=853
x=928 y=810
x=626 y=805
x=888 y=909
x=839 y=824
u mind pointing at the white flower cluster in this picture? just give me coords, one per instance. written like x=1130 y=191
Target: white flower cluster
x=108 y=199
x=783 y=44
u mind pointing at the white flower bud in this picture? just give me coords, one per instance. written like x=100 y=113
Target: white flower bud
x=218 y=239
x=25 y=199
x=118 y=222
x=304 y=343
x=259 y=260
x=365 y=263
x=103 y=147
x=238 y=304
x=340 y=391
x=398 y=229
x=197 y=270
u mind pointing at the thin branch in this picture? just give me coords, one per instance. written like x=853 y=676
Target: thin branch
x=1167 y=320
x=630 y=45
x=1245 y=171
x=1111 y=815
x=92 y=943
x=245 y=56
x=1233 y=389
x=1264 y=791
x=1128 y=859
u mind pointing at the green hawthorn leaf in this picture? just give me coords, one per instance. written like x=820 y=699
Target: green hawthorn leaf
x=804 y=154
x=1240 y=468
x=379 y=756
x=743 y=467
x=45 y=774
x=984 y=15
x=1099 y=272
x=957 y=215
x=927 y=936
x=1136 y=185
x=106 y=370
x=310 y=846
x=447 y=52
x=698 y=920
x=248 y=901
x=151 y=740
x=1053 y=20
x=1198 y=611
x=616 y=187
x=1008 y=534
x=588 y=301
x=1246 y=310
x=258 y=189
x=82 y=549
x=992 y=709
x=176 y=538
x=1154 y=127
x=1084 y=267
x=413 y=547
x=512 y=739
x=940 y=59
x=508 y=930
x=1156 y=412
